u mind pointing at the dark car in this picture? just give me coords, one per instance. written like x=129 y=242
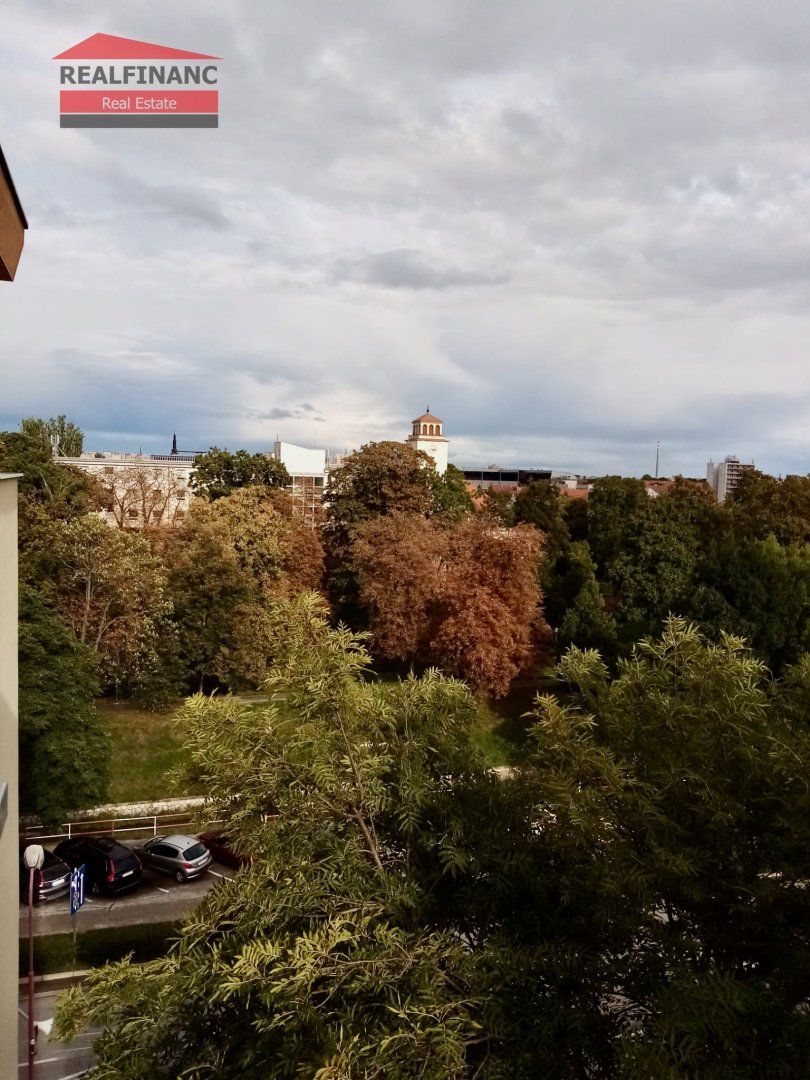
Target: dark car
x=219 y=844
x=109 y=866
x=183 y=856
x=50 y=881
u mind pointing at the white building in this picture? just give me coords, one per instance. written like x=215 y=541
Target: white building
x=724 y=476
x=307 y=469
x=427 y=435
x=145 y=490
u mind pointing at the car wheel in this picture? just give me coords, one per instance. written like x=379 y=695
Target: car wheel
x=180 y=876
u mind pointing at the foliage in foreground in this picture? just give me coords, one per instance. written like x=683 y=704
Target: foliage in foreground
x=633 y=903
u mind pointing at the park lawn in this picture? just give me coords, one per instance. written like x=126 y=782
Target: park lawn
x=146 y=747
x=500 y=736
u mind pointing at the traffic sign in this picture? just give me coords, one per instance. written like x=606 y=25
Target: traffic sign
x=76 y=889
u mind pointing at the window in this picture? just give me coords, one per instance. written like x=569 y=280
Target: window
x=196 y=851
x=132 y=512
x=164 y=850
x=109 y=469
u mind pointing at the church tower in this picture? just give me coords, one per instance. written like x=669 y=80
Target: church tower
x=427 y=435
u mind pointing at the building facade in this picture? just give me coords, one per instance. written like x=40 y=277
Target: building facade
x=427 y=435
x=307 y=469
x=9 y=828
x=724 y=476
x=144 y=490
x=12 y=224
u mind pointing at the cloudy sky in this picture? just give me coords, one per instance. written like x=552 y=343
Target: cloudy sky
x=570 y=228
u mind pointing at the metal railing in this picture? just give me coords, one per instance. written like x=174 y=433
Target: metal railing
x=150 y=824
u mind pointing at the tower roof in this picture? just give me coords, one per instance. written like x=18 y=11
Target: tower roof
x=427 y=418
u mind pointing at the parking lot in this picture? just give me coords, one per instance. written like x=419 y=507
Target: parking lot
x=159 y=898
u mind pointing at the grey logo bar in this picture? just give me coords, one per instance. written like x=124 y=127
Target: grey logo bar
x=81 y=120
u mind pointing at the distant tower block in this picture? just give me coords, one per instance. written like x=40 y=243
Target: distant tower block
x=427 y=435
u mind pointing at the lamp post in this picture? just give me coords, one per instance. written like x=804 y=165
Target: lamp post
x=34 y=857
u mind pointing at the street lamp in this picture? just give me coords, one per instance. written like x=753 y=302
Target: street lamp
x=33 y=857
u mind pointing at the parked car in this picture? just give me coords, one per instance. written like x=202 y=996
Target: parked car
x=183 y=856
x=109 y=866
x=52 y=880
x=219 y=844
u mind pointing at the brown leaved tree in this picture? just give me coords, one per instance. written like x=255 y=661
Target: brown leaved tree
x=463 y=597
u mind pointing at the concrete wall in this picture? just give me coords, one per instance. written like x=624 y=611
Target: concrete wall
x=9 y=849
x=300 y=460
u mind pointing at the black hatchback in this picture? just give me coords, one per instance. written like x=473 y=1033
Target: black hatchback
x=50 y=881
x=109 y=866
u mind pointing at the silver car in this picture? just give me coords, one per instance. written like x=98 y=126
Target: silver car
x=183 y=856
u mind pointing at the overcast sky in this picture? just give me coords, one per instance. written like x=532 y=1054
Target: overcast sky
x=570 y=228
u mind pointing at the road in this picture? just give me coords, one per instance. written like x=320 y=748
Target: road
x=54 y=1060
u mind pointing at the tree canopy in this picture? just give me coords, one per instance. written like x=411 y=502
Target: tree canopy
x=217 y=473
x=463 y=596
x=69 y=438
x=633 y=902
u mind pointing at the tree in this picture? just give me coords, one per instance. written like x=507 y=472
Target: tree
x=451 y=498
x=762 y=506
x=143 y=498
x=322 y=956
x=69 y=438
x=465 y=597
x=217 y=473
x=111 y=591
x=498 y=506
x=614 y=506
x=540 y=504
x=573 y=601
x=255 y=551
x=632 y=903
x=64 y=748
x=379 y=479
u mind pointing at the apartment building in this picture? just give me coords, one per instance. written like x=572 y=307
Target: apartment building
x=724 y=476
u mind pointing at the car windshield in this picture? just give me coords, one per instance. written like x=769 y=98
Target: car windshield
x=194 y=852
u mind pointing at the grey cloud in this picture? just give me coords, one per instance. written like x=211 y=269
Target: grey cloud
x=407 y=269
x=574 y=228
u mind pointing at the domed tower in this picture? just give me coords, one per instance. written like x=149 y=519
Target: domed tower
x=427 y=435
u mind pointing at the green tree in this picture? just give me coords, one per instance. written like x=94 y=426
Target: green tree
x=217 y=473
x=255 y=550
x=632 y=903
x=69 y=438
x=574 y=605
x=451 y=498
x=685 y=785
x=614 y=506
x=540 y=504
x=64 y=748
x=111 y=590
x=762 y=506
x=319 y=958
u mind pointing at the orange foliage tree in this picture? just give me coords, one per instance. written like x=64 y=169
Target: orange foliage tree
x=464 y=597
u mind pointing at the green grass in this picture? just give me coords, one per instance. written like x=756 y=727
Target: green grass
x=501 y=736
x=55 y=952
x=146 y=746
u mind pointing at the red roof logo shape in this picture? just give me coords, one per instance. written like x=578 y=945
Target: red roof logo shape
x=110 y=47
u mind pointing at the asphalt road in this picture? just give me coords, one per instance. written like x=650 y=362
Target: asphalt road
x=159 y=898
x=54 y=1060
